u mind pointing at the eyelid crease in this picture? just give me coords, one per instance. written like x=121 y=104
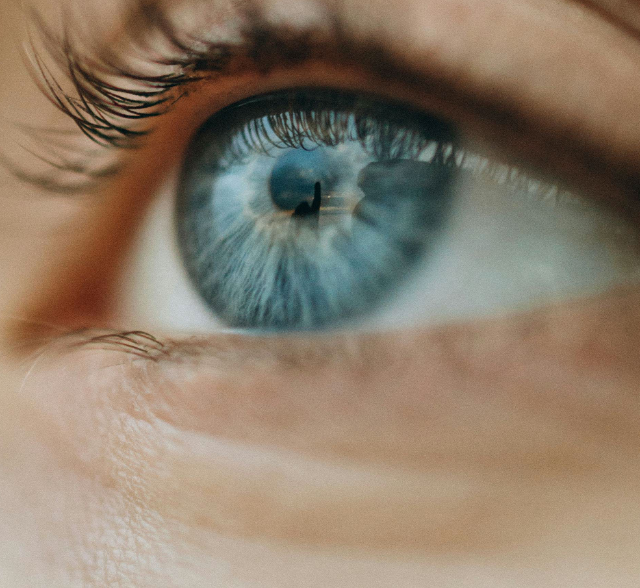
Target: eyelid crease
x=619 y=13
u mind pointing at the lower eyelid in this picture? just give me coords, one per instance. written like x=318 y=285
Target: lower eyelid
x=233 y=384
x=483 y=418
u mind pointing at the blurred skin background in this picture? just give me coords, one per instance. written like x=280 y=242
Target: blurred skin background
x=492 y=447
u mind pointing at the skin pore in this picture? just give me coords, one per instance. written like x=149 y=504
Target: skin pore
x=501 y=451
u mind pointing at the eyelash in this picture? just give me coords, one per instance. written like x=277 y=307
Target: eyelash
x=298 y=128
x=107 y=113
x=111 y=113
x=328 y=119
x=104 y=111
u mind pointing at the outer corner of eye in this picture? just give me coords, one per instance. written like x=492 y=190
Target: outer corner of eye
x=310 y=209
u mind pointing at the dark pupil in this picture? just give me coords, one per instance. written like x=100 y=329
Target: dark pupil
x=301 y=211
x=298 y=176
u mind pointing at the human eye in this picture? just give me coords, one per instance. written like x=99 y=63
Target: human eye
x=377 y=256
x=311 y=209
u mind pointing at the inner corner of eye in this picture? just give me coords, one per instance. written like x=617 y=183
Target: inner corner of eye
x=313 y=209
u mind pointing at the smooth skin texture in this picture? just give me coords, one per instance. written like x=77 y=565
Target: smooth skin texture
x=499 y=452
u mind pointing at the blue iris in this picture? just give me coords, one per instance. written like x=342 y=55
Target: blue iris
x=296 y=173
x=302 y=210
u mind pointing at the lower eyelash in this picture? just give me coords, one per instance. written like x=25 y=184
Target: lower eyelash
x=135 y=343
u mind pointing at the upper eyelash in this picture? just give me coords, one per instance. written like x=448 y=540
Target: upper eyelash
x=302 y=122
x=108 y=113
x=111 y=113
x=103 y=110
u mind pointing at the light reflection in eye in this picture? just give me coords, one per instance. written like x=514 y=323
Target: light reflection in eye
x=315 y=209
x=300 y=211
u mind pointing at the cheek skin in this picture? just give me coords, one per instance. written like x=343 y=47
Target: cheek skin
x=508 y=439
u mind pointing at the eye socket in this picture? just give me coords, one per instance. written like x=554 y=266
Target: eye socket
x=303 y=209
x=311 y=209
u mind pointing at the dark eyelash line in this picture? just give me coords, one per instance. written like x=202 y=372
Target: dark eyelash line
x=104 y=111
x=109 y=101
x=108 y=113
x=328 y=118
x=134 y=343
x=100 y=108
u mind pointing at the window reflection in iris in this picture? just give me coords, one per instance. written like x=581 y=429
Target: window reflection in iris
x=303 y=210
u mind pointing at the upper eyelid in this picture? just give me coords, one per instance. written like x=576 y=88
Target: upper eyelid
x=106 y=111
x=110 y=114
x=108 y=99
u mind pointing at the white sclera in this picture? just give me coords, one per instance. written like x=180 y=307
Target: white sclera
x=503 y=250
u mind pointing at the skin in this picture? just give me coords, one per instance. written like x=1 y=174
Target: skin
x=501 y=451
